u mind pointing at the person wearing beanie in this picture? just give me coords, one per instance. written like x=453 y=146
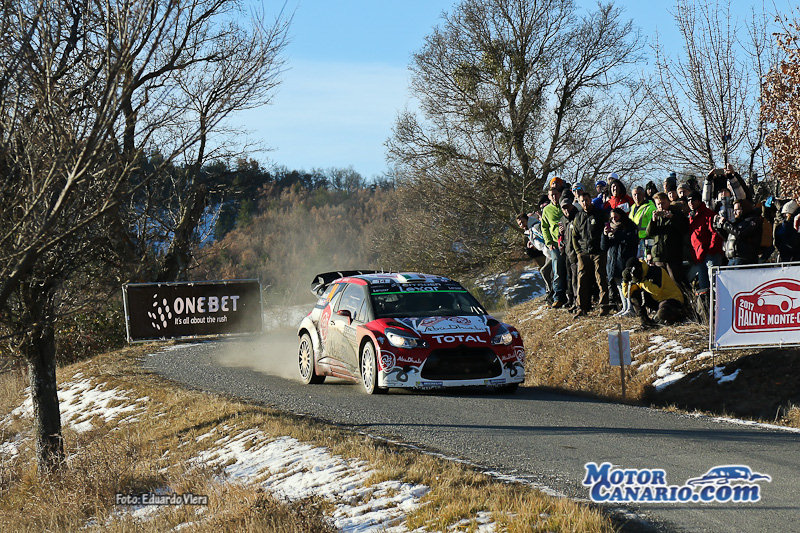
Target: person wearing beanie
x=602 y=197
x=786 y=237
x=671 y=183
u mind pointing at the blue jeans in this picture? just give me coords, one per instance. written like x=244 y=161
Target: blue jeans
x=700 y=271
x=559 y=273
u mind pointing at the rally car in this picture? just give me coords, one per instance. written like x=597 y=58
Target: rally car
x=405 y=330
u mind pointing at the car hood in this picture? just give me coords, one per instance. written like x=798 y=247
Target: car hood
x=442 y=325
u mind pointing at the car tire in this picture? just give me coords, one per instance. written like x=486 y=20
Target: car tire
x=369 y=370
x=305 y=361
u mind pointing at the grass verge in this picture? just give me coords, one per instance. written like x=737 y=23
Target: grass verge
x=155 y=447
x=671 y=366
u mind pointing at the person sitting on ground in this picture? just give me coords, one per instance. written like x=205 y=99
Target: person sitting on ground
x=667 y=229
x=619 y=196
x=743 y=234
x=650 y=287
x=787 y=239
x=588 y=230
x=620 y=241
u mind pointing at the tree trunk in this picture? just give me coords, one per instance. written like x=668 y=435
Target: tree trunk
x=40 y=352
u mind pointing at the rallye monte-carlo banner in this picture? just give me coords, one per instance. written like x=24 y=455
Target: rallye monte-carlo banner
x=191 y=309
x=756 y=306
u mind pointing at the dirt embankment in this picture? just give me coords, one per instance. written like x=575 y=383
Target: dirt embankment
x=672 y=366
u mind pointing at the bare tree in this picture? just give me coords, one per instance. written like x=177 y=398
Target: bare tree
x=707 y=99
x=87 y=88
x=513 y=92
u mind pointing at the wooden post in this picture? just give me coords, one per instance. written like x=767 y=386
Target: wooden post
x=621 y=359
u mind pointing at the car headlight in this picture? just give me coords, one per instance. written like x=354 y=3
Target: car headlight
x=404 y=341
x=503 y=336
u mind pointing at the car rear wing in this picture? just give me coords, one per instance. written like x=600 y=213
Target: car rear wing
x=321 y=281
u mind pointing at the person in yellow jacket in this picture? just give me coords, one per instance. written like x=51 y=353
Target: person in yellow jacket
x=651 y=287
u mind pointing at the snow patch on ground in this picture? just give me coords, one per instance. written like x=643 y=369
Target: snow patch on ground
x=292 y=469
x=514 y=288
x=82 y=399
x=719 y=374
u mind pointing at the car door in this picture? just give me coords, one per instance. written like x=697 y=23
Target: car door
x=342 y=331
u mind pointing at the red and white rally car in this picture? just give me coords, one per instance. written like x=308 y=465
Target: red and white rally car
x=405 y=330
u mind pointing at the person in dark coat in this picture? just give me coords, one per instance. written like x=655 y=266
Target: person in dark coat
x=667 y=229
x=743 y=240
x=620 y=241
x=786 y=238
x=588 y=230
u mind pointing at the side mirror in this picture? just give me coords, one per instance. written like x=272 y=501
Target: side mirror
x=346 y=314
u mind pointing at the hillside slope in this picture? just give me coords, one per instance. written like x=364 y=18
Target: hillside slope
x=671 y=366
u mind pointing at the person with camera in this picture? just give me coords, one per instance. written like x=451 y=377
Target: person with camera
x=719 y=180
x=743 y=235
x=649 y=287
x=706 y=243
x=667 y=229
x=620 y=242
x=588 y=230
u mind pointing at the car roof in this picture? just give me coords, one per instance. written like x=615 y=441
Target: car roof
x=399 y=277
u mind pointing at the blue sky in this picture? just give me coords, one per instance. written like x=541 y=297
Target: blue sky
x=347 y=77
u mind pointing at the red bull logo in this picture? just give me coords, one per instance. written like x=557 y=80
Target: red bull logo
x=773 y=306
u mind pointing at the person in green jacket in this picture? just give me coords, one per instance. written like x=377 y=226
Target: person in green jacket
x=642 y=213
x=551 y=215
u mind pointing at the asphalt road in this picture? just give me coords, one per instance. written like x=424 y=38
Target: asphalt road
x=536 y=435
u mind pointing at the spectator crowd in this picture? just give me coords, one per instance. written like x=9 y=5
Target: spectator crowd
x=649 y=251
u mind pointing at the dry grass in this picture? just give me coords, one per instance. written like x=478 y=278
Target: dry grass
x=576 y=359
x=155 y=453
x=572 y=355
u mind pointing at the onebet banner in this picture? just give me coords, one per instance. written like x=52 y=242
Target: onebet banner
x=757 y=306
x=155 y=311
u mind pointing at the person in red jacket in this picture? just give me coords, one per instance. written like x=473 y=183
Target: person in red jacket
x=619 y=197
x=706 y=243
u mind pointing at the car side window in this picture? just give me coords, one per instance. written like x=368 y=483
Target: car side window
x=352 y=300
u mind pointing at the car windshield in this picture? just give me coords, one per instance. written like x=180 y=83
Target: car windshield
x=423 y=304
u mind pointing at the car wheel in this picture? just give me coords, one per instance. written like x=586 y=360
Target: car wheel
x=305 y=361
x=369 y=370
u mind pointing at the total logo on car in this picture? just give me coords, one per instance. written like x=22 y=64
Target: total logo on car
x=405 y=330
